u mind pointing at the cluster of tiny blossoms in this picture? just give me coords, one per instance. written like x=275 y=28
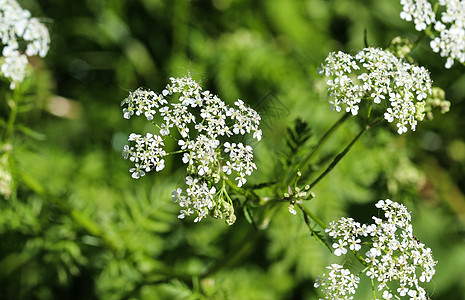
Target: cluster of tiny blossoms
x=378 y=75
x=297 y=195
x=205 y=126
x=419 y=11
x=16 y=27
x=339 y=284
x=392 y=252
x=449 y=39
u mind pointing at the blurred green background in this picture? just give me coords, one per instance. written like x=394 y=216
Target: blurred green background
x=82 y=228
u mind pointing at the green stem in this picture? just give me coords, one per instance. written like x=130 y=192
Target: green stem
x=359 y=257
x=176 y=152
x=373 y=289
x=343 y=153
x=13 y=103
x=224 y=192
x=307 y=212
x=323 y=139
x=370 y=107
x=248 y=194
x=435 y=7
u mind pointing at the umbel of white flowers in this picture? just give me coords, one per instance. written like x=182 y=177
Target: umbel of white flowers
x=379 y=76
x=16 y=25
x=204 y=127
x=391 y=253
x=448 y=38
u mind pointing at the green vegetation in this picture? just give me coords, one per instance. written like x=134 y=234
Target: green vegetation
x=75 y=225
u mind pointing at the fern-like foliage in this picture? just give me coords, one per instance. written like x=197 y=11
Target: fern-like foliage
x=296 y=140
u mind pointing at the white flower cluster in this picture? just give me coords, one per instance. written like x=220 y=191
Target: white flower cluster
x=16 y=26
x=378 y=75
x=205 y=124
x=297 y=195
x=449 y=40
x=419 y=11
x=146 y=152
x=340 y=283
x=392 y=251
x=200 y=197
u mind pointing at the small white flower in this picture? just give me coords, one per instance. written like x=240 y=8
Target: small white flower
x=403 y=291
x=292 y=209
x=137 y=172
x=340 y=247
x=387 y=295
x=176 y=194
x=354 y=244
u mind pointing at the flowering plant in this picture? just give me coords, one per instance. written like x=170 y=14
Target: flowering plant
x=381 y=78
x=206 y=127
x=391 y=253
x=384 y=84
x=73 y=217
x=16 y=25
x=21 y=37
x=447 y=32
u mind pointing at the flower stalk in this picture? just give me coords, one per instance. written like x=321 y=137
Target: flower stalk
x=306 y=161
x=338 y=157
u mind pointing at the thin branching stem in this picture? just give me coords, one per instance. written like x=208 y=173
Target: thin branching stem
x=359 y=258
x=373 y=289
x=343 y=153
x=248 y=194
x=307 y=213
x=13 y=103
x=322 y=140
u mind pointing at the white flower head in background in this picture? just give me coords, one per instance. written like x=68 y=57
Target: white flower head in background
x=379 y=76
x=338 y=284
x=17 y=27
x=419 y=11
x=448 y=28
x=389 y=249
x=204 y=127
